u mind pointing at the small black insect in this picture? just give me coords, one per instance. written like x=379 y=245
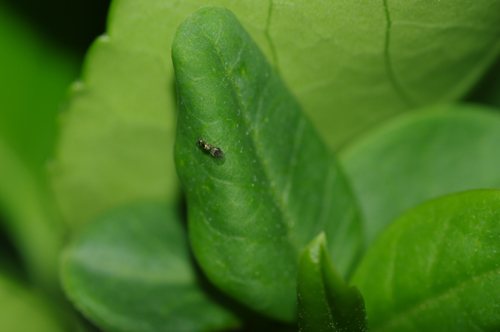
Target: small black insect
x=214 y=151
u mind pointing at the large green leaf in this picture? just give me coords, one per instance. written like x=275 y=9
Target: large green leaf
x=252 y=212
x=351 y=64
x=445 y=149
x=325 y=301
x=437 y=267
x=131 y=271
x=23 y=309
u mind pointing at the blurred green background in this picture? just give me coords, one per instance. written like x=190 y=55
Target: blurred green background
x=43 y=44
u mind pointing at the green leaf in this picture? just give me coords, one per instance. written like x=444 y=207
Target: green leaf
x=131 y=271
x=116 y=141
x=22 y=309
x=326 y=302
x=351 y=65
x=446 y=149
x=436 y=268
x=252 y=212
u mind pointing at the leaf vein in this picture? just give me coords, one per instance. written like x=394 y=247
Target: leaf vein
x=387 y=58
x=285 y=217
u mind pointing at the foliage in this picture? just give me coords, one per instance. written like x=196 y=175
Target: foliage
x=277 y=231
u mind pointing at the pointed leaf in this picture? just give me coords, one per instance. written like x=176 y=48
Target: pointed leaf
x=326 y=302
x=446 y=149
x=131 y=271
x=437 y=267
x=252 y=212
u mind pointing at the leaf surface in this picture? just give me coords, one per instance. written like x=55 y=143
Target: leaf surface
x=446 y=149
x=437 y=267
x=351 y=64
x=325 y=301
x=252 y=212
x=131 y=271
x=116 y=134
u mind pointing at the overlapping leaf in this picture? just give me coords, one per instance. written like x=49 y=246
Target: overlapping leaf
x=131 y=271
x=437 y=267
x=326 y=302
x=350 y=63
x=446 y=149
x=253 y=212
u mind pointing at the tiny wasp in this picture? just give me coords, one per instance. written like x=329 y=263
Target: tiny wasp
x=214 y=151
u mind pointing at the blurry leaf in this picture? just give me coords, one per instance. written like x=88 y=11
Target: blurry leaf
x=33 y=81
x=446 y=149
x=35 y=74
x=116 y=134
x=131 y=271
x=436 y=268
x=30 y=218
x=351 y=63
x=23 y=309
x=326 y=302
x=252 y=213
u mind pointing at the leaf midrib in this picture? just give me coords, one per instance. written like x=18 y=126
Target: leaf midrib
x=271 y=186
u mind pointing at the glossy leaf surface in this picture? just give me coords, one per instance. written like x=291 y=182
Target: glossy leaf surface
x=437 y=268
x=326 y=302
x=131 y=271
x=252 y=212
x=417 y=157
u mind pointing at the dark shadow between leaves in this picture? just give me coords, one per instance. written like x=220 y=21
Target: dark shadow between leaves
x=10 y=260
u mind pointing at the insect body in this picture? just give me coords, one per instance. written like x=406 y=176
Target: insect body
x=214 y=151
